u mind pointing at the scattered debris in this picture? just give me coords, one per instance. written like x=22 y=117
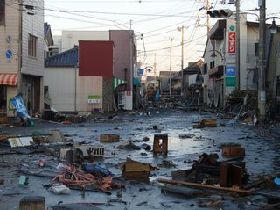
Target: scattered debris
x=232 y=150
x=129 y=145
x=23 y=181
x=20 y=141
x=97 y=170
x=146 y=138
x=167 y=164
x=109 y=137
x=205 y=123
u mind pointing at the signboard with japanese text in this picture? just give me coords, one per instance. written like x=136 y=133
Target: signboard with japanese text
x=94 y=99
x=230 y=81
x=230 y=71
x=231 y=42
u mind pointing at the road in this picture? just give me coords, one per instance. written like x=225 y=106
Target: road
x=262 y=157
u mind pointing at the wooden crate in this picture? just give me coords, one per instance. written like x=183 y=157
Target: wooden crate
x=32 y=203
x=136 y=171
x=233 y=151
x=208 y=123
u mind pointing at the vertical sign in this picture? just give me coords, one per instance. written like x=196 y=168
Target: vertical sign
x=231 y=42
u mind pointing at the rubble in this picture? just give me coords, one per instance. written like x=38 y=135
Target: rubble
x=160 y=145
x=133 y=170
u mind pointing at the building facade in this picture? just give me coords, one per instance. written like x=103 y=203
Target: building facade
x=22 y=60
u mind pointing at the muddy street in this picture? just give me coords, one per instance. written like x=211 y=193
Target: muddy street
x=136 y=131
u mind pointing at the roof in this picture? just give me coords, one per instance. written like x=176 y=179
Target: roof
x=48 y=34
x=69 y=58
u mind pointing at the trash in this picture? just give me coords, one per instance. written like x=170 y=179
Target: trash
x=88 y=151
x=205 y=123
x=277 y=181
x=73 y=177
x=160 y=145
x=129 y=145
x=203 y=203
x=20 y=141
x=1 y=181
x=41 y=162
x=142 y=203
x=60 y=189
x=97 y=170
x=146 y=138
x=18 y=104
x=186 y=136
x=232 y=175
x=32 y=203
x=167 y=164
x=146 y=147
x=55 y=136
x=78 y=206
x=23 y=181
x=232 y=150
x=133 y=170
x=109 y=137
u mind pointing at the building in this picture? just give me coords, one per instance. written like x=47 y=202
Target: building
x=22 y=60
x=220 y=60
x=113 y=84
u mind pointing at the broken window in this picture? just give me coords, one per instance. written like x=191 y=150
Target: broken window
x=2 y=12
x=32 y=45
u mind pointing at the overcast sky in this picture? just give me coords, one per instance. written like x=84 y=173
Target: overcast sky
x=157 y=20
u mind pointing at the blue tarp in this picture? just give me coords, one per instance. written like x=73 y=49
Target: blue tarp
x=18 y=103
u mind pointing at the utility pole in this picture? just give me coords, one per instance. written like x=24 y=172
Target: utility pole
x=19 y=54
x=170 y=68
x=261 y=70
x=237 y=4
x=207 y=17
x=182 y=29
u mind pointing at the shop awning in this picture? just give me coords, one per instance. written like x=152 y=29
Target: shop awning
x=8 y=79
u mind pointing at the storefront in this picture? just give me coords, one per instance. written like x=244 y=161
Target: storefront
x=8 y=90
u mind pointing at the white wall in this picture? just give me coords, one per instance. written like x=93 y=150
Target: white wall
x=61 y=83
x=71 y=38
x=33 y=24
x=61 y=88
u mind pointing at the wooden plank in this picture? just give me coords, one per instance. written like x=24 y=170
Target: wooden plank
x=202 y=186
x=32 y=203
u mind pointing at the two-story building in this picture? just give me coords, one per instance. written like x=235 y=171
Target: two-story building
x=22 y=53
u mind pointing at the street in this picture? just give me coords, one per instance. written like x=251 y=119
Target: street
x=261 y=158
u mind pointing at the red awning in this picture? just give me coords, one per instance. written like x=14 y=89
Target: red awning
x=8 y=79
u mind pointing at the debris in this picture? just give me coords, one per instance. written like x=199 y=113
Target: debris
x=55 y=136
x=133 y=170
x=72 y=176
x=60 y=189
x=233 y=151
x=146 y=138
x=32 y=203
x=20 y=141
x=97 y=170
x=109 y=137
x=205 y=186
x=160 y=145
x=143 y=154
x=142 y=203
x=88 y=151
x=205 y=123
x=232 y=175
x=1 y=181
x=78 y=206
x=23 y=181
x=167 y=164
x=277 y=181
x=41 y=162
x=186 y=136
x=203 y=203
x=146 y=147
x=129 y=145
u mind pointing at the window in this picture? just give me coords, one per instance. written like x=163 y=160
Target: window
x=32 y=45
x=2 y=12
x=212 y=64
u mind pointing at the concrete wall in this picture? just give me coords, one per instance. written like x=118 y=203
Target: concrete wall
x=71 y=38
x=9 y=39
x=33 y=24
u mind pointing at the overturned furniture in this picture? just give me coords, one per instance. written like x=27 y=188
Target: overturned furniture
x=160 y=145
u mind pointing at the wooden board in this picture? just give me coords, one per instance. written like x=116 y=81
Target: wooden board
x=202 y=186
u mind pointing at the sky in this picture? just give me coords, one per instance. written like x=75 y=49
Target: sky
x=157 y=20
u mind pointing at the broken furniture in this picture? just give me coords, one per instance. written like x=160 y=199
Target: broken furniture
x=160 y=145
x=133 y=170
